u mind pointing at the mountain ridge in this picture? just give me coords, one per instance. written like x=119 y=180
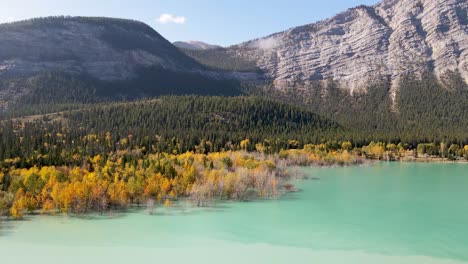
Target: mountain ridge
x=195 y=45
x=366 y=44
x=107 y=48
x=108 y=57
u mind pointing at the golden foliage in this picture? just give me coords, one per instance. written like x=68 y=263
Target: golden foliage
x=122 y=179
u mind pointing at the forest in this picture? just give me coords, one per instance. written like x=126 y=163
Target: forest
x=424 y=109
x=214 y=124
x=167 y=124
x=50 y=92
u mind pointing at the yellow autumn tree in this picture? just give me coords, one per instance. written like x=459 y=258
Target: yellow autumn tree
x=19 y=205
x=244 y=144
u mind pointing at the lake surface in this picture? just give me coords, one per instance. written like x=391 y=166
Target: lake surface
x=385 y=213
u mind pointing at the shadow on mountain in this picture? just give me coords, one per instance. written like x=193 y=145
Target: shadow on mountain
x=50 y=92
x=155 y=81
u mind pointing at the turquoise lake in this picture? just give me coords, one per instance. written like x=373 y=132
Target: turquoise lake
x=384 y=213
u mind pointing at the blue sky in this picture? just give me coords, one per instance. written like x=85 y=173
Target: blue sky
x=223 y=22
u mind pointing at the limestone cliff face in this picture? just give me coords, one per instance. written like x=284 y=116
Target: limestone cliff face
x=107 y=49
x=367 y=44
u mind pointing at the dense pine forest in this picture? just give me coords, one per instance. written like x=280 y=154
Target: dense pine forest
x=184 y=123
x=56 y=91
x=166 y=124
x=424 y=110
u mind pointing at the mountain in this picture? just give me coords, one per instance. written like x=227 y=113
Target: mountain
x=105 y=48
x=400 y=66
x=223 y=59
x=103 y=56
x=195 y=45
x=398 y=69
x=366 y=45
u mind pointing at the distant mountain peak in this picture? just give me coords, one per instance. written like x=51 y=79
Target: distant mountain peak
x=195 y=45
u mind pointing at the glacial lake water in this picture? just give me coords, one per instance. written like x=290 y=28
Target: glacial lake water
x=384 y=213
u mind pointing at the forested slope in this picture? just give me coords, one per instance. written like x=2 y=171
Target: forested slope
x=166 y=124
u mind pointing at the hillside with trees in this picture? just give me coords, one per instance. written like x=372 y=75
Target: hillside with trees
x=424 y=110
x=166 y=124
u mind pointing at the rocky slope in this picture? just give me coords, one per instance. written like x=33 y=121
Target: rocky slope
x=116 y=57
x=195 y=45
x=367 y=44
x=108 y=49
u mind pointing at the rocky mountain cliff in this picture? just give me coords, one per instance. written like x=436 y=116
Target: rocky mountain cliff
x=195 y=45
x=367 y=44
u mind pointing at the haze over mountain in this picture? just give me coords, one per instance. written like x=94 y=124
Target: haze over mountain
x=195 y=45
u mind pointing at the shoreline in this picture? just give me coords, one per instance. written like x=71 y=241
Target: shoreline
x=430 y=160
x=199 y=178
x=286 y=186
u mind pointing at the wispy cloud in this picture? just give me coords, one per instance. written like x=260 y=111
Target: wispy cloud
x=6 y=19
x=169 y=18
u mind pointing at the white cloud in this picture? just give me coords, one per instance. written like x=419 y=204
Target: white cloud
x=6 y=19
x=169 y=18
x=266 y=44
